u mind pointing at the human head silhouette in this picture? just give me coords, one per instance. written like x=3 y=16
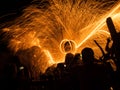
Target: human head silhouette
x=76 y=58
x=87 y=55
x=68 y=58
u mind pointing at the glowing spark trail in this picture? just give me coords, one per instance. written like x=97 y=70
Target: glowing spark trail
x=103 y=31
x=102 y=22
x=51 y=61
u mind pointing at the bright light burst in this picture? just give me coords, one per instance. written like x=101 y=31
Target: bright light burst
x=45 y=25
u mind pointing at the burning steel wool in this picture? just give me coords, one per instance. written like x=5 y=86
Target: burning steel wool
x=46 y=31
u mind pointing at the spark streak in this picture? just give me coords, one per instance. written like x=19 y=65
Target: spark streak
x=102 y=22
x=103 y=31
x=51 y=61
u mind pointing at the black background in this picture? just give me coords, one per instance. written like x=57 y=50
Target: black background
x=11 y=6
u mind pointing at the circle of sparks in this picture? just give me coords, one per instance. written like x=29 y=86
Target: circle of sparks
x=67 y=46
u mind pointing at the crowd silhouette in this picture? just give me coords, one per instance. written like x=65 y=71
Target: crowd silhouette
x=79 y=71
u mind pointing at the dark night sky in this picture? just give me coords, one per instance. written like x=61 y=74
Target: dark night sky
x=7 y=6
x=11 y=8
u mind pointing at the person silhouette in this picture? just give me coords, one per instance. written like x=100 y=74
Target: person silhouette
x=90 y=76
x=88 y=56
x=94 y=76
x=76 y=62
x=115 y=49
x=68 y=60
